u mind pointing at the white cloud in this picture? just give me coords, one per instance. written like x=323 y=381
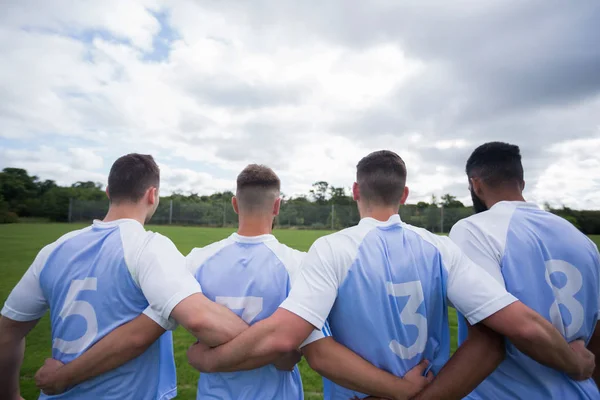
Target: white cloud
x=574 y=171
x=254 y=85
x=85 y=159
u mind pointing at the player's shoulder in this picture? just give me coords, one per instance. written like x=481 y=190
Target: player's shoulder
x=340 y=248
x=199 y=255
x=348 y=238
x=424 y=234
x=45 y=252
x=493 y=224
x=287 y=255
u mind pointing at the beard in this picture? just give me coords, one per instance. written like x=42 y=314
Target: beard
x=478 y=205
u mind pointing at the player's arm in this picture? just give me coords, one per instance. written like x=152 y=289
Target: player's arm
x=472 y=362
x=346 y=368
x=115 y=349
x=305 y=309
x=21 y=312
x=594 y=347
x=481 y=298
x=12 y=350
x=173 y=293
x=261 y=344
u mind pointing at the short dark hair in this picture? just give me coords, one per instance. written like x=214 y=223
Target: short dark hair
x=131 y=176
x=257 y=187
x=496 y=163
x=381 y=178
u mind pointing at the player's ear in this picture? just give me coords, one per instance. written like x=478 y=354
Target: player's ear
x=277 y=206
x=355 y=192
x=404 y=195
x=522 y=185
x=152 y=195
x=107 y=195
x=234 y=203
x=476 y=186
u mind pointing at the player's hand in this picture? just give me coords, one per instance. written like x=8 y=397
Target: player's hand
x=46 y=379
x=587 y=360
x=197 y=356
x=415 y=376
x=288 y=361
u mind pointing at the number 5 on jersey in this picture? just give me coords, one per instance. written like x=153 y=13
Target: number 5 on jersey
x=82 y=308
x=409 y=316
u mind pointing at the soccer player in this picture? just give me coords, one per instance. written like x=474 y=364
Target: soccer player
x=95 y=279
x=384 y=287
x=542 y=260
x=251 y=272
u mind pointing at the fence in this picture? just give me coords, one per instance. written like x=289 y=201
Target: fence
x=291 y=215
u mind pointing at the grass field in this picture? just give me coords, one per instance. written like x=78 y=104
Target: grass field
x=19 y=244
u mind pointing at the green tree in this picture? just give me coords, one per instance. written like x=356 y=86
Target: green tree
x=449 y=201
x=17 y=188
x=319 y=192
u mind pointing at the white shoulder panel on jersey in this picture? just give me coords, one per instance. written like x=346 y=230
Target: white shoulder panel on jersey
x=199 y=255
x=322 y=271
x=473 y=291
x=289 y=257
x=159 y=269
x=26 y=302
x=482 y=237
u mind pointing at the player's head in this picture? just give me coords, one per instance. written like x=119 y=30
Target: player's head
x=494 y=168
x=380 y=180
x=134 y=179
x=257 y=192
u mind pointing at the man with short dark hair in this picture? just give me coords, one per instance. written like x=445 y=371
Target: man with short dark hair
x=542 y=260
x=97 y=279
x=384 y=287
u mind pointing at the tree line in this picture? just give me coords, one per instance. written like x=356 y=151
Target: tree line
x=325 y=206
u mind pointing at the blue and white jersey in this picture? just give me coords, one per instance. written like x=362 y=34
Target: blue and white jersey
x=251 y=276
x=96 y=279
x=551 y=267
x=384 y=289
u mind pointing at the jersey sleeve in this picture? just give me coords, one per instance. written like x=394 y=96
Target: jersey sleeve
x=160 y=271
x=472 y=290
x=317 y=335
x=315 y=288
x=26 y=302
x=472 y=242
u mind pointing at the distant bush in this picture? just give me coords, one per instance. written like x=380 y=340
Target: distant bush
x=8 y=217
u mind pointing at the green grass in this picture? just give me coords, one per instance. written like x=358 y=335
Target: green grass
x=19 y=244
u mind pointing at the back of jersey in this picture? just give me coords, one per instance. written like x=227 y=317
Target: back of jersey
x=391 y=307
x=87 y=284
x=251 y=276
x=554 y=269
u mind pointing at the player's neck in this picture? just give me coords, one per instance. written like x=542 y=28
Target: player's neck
x=503 y=196
x=255 y=226
x=125 y=212
x=379 y=213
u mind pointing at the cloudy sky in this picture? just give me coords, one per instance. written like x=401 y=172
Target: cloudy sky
x=306 y=87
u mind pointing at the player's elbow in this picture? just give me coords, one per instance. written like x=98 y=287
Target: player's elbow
x=283 y=343
x=316 y=359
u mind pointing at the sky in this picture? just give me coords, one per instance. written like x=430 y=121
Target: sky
x=305 y=87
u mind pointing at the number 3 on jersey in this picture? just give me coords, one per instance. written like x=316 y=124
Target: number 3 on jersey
x=82 y=308
x=409 y=316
